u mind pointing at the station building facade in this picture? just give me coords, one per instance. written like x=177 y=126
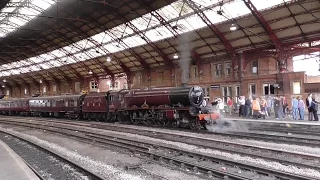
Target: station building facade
x=258 y=78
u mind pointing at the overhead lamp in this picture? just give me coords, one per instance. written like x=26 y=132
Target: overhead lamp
x=4 y=80
x=3 y=86
x=108 y=59
x=90 y=72
x=109 y=83
x=175 y=56
x=233 y=27
x=40 y=81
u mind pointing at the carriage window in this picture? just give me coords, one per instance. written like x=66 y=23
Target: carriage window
x=54 y=103
x=66 y=104
x=75 y=103
x=111 y=98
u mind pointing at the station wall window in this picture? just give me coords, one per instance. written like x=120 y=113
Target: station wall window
x=44 y=90
x=25 y=91
x=255 y=66
x=54 y=88
x=268 y=89
x=296 y=87
x=77 y=87
x=125 y=86
x=116 y=85
x=216 y=70
x=226 y=92
x=194 y=72
x=8 y=93
x=139 y=79
x=227 y=68
x=252 y=89
x=93 y=86
x=160 y=77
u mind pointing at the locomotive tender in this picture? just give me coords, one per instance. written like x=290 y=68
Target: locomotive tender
x=177 y=106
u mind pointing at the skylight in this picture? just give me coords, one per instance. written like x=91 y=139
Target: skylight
x=148 y=24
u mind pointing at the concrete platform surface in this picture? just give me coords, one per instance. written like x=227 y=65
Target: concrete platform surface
x=12 y=167
x=280 y=121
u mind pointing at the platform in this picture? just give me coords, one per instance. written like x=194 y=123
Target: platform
x=273 y=121
x=12 y=166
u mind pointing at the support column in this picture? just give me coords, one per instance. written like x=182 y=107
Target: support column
x=240 y=73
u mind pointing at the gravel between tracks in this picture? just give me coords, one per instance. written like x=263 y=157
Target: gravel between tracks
x=280 y=146
x=236 y=157
x=100 y=156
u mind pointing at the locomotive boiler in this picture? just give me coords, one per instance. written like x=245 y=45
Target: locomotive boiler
x=178 y=106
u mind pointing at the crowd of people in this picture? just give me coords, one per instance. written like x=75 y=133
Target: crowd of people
x=265 y=107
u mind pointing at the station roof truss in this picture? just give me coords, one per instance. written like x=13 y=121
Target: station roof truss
x=52 y=40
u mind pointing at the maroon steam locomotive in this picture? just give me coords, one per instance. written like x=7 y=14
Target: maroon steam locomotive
x=178 y=106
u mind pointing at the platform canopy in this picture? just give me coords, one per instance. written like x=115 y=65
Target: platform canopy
x=53 y=40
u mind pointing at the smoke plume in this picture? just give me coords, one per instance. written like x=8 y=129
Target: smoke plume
x=185 y=48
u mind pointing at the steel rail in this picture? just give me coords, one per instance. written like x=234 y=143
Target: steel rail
x=262 y=170
x=207 y=143
x=86 y=171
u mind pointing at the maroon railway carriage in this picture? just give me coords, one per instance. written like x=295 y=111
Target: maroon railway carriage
x=101 y=106
x=17 y=106
x=57 y=106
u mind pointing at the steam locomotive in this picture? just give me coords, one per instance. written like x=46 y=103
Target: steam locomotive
x=177 y=107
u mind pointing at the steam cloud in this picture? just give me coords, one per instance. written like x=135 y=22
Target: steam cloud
x=222 y=125
x=185 y=48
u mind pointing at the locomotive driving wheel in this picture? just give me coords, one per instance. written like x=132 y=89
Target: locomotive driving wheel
x=195 y=124
x=135 y=118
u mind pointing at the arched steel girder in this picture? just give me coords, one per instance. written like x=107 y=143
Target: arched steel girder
x=136 y=55
x=65 y=77
x=39 y=74
x=67 y=53
x=155 y=14
x=150 y=43
x=266 y=27
x=230 y=49
x=105 y=68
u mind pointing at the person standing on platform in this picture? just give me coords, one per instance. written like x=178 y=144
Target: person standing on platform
x=314 y=108
x=295 y=106
x=242 y=108
x=269 y=105
x=230 y=105
x=256 y=108
x=264 y=106
x=248 y=106
x=301 y=107
x=276 y=107
x=308 y=103
x=281 y=106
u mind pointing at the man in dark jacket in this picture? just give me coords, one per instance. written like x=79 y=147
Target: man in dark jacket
x=276 y=107
x=314 y=108
x=308 y=104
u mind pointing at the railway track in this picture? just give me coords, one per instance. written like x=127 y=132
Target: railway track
x=45 y=163
x=138 y=146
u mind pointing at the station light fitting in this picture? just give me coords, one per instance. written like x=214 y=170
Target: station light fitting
x=3 y=86
x=4 y=80
x=175 y=56
x=108 y=59
x=233 y=27
x=40 y=81
x=90 y=72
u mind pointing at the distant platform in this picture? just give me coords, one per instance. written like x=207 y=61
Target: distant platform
x=279 y=121
x=12 y=166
